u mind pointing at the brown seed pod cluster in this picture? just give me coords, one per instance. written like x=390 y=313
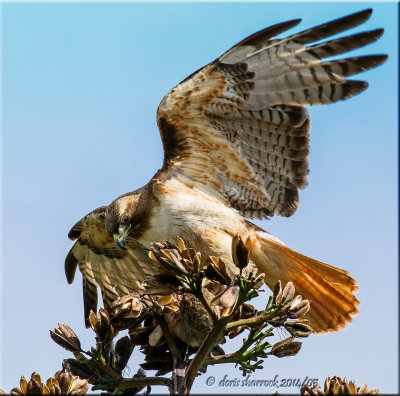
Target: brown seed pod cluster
x=129 y=306
x=338 y=386
x=291 y=306
x=61 y=383
x=101 y=325
x=176 y=259
x=184 y=302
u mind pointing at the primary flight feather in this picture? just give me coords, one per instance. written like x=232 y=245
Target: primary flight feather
x=236 y=141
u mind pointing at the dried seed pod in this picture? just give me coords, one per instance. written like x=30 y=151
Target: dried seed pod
x=66 y=384
x=23 y=383
x=277 y=294
x=155 y=336
x=306 y=390
x=298 y=328
x=81 y=370
x=247 y=311
x=240 y=253
x=224 y=269
x=226 y=301
x=218 y=271
x=345 y=389
x=104 y=329
x=188 y=256
x=56 y=390
x=287 y=347
x=212 y=288
x=129 y=306
x=176 y=259
x=100 y=324
x=236 y=331
x=140 y=335
x=180 y=244
x=34 y=385
x=63 y=381
x=197 y=262
x=353 y=388
x=121 y=354
x=288 y=291
x=213 y=274
x=166 y=304
x=161 y=284
x=64 y=336
x=16 y=392
x=337 y=386
x=334 y=386
x=162 y=367
x=298 y=308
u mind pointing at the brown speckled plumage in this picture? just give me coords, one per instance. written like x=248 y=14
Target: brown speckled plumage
x=236 y=142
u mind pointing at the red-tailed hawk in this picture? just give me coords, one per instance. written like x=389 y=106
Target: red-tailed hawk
x=236 y=140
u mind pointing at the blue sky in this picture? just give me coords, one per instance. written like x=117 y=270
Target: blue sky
x=81 y=85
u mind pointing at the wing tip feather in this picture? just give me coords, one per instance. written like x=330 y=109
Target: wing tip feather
x=71 y=264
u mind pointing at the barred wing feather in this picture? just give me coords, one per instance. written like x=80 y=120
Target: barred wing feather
x=237 y=128
x=103 y=264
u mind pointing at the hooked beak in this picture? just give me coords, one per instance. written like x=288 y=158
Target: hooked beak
x=121 y=241
x=120 y=238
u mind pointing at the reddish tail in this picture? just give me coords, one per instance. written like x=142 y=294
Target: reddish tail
x=329 y=289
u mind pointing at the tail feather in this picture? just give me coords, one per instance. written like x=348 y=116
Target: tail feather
x=329 y=289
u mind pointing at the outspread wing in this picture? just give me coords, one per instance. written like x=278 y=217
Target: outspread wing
x=103 y=264
x=237 y=127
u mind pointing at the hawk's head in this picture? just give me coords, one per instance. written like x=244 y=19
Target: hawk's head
x=123 y=217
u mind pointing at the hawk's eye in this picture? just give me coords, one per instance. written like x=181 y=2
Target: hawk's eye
x=125 y=219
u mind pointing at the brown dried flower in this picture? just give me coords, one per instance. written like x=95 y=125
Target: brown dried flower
x=240 y=251
x=176 y=259
x=82 y=370
x=61 y=383
x=337 y=386
x=166 y=304
x=245 y=311
x=218 y=271
x=287 y=347
x=225 y=302
x=121 y=354
x=129 y=306
x=277 y=293
x=100 y=324
x=293 y=306
x=157 y=358
x=288 y=292
x=298 y=307
x=70 y=385
x=298 y=328
x=64 y=336
x=161 y=284
x=155 y=336
x=140 y=335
